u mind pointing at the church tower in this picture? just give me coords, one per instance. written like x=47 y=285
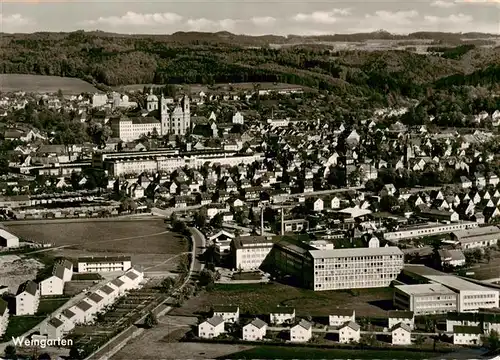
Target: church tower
x=152 y=101
x=164 y=116
x=187 y=114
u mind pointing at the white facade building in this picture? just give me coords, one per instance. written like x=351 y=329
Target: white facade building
x=238 y=118
x=230 y=314
x=341 y=316
x=281 y=315
x=256 y=330
x=401 y=334
x=349 y=332
x=27 y=298
x=467 y=335
x=53 y=285
x=356 y=268
x=55 y=329
x=401 y=317
x=425 y=299
x=470 y=296
x=478 y=237
x=104 y=264
x=251 y=251
x=302 y=332
x=8 y=240
x=428 y=230
x=211 y=328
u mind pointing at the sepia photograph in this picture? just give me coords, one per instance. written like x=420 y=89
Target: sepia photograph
x=249 y=179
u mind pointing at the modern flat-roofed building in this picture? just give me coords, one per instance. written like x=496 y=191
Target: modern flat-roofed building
x=356 y=268
x=470 y=296
x=249 y=252
x=428 y=229
x=337 y=269
x=295 y=225
x=104 y=264
x=425 y=299
x=478 y=237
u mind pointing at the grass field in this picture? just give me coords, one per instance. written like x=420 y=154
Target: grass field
x=18 y=325
x=262 y=298
x=487 y=270
x=288 y=352
x=44 y=84
x=148 y=242
x=49 y=305
x=86 y=277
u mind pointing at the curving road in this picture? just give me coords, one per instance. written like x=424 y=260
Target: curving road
x=119 y=341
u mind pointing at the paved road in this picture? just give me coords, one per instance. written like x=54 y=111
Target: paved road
x=199 y=247
x=119 y=341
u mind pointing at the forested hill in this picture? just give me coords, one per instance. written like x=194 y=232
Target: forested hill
x=111 y=59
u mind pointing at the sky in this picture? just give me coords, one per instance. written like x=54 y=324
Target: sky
x=280 y=17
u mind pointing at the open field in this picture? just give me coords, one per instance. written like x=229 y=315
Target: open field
x=258 y=299
x=148 y=242
x=485 y=270
x=14 y=270
x=289 y=352
x=44 y=84
x=18 y=325
x=161 y=342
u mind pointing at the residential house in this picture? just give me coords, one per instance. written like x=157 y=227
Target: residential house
x=97 y=301
x=211 y=328
x=55 y=329
x=54 y=284
x=230 y=314
x=256 y=330
x=68 y=318
x=401 y=334
x=401 y=317
x=27 y=298
x=451 y=257
x=349 y=332
x=4 y=316
x=282 y=315
x=467 y=335
x=335 y=203
x=84 y=311
x=302 y=332
x=339 y=317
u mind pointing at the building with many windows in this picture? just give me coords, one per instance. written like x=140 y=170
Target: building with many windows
x=336 y=269
x=424 y=299
x=104 y=264
x=470 y=296
x=249 y=252
x=428 y=229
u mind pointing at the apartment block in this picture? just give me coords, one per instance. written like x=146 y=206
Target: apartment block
x=250 y=251
x=104 y=264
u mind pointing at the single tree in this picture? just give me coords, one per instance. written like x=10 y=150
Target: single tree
x=492 y=340
x=150 y=321
x=10 y=352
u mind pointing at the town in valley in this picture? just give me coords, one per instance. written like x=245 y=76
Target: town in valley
x=316 y=206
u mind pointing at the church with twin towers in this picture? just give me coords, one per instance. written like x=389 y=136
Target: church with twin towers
x=176 y=121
